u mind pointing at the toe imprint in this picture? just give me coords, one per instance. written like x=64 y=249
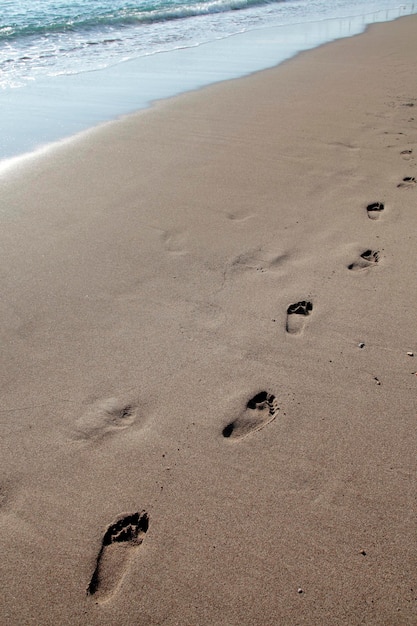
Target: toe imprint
x=374 y=209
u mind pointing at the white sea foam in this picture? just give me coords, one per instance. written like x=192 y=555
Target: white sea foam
x=53 y=37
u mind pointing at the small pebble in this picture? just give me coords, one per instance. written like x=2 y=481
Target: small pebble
x=361 y=345
x=363 y=552
x=299 y=590
x=410 y=353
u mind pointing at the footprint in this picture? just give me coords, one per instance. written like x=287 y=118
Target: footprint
x=118 y=546
x=366 y=259
x=207 y=316
x=175 y=242
x=7 y=491
x=374 y=210
x=259 y=261
x=407 y=181
x=406 y=154
x=239 y=216
x=259 y=411
x=296 y=314
x=105 y=416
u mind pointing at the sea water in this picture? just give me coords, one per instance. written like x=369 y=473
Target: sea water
x=68 y=65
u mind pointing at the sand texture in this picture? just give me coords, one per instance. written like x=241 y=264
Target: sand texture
x=208 y=321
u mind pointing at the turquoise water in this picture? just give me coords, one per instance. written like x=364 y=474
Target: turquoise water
x=66 y=66
x=56 y=37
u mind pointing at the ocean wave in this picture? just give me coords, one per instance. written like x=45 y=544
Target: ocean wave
x=49 y=38
x=130 y=14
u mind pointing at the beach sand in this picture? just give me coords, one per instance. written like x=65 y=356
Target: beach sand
x=208 y=402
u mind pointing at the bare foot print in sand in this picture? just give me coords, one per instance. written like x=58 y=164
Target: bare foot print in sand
x=407 y=182
x=374 y=209
x=369 y=258
x=175 y=242
x=104 y=417
x=259 y=412
x=406 y=155
x=260 y=261
x=296 y=316
x=120 y=543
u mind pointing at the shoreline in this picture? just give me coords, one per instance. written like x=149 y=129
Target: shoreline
x=57 y=108
x=208 y=332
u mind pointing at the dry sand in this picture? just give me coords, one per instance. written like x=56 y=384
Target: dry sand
x=182 y=441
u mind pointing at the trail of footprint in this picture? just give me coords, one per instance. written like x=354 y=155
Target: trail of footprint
x=296 y=316
x=259 y=411
x=374 y=209
x=369 y=258
x=105 y=416
x=118 y=546
x=407 y=181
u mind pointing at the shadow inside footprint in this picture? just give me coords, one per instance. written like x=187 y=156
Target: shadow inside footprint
x=366 y=259
x=374 y=209
x=407 y=181
x=259 y=411
x=118 y=545
x=296 y=316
